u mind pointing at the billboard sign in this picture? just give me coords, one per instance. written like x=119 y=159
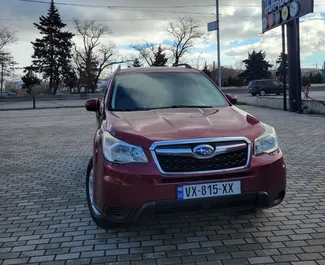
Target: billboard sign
x=278 y=12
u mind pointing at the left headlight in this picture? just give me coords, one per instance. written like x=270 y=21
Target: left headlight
x=117 y=151
x=267 y=142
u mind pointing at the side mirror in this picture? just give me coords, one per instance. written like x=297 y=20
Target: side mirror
x=232 y=98
x=92 y=104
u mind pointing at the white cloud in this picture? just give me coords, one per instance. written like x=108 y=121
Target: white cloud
x=312 y=39
x=238 y=22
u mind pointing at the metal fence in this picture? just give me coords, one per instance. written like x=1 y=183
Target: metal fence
x=45 y=101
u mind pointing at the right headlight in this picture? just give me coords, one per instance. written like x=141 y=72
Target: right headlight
x=117 y=151
x=267 y=142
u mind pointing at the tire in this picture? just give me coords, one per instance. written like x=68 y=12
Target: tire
x=97 y=217
x=262 y=92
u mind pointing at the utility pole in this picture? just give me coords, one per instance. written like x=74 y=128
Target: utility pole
x=198 y=60
x=284 y=66
x=218 y=43
x=2 y=66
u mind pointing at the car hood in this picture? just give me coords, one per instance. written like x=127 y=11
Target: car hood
x=142 y=128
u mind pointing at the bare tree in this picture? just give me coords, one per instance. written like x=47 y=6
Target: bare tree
x=94 y=57
x=185 y=31
x=7 y=37
x=239 y=65
x=148 y=51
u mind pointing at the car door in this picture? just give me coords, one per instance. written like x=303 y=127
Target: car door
x=278 y=87
x=264 y=85
x=98 y=160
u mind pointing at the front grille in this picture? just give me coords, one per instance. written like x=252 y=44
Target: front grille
x=206 y=178
x=173 y=163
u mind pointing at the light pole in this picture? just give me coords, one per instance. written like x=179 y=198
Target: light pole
x=218 y=43
x=198 y=59
x=1 y=88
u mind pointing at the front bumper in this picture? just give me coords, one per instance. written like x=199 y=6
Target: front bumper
x=130 y=192
x=252 y=90
x=254 y=200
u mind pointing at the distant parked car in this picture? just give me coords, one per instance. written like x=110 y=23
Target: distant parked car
x=265 y=86
x=7 y=93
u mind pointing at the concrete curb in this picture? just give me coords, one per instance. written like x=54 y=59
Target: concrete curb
x=69 y=107
x=41 y=108
x=313 y=107
x=310 y=106
x=50 y=97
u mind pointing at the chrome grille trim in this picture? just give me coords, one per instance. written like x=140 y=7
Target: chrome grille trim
x=188 y=152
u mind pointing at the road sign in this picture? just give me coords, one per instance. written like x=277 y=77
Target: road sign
x=278 y=12
x=212 y=26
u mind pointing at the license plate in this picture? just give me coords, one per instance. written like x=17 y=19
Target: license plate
x=185 y=192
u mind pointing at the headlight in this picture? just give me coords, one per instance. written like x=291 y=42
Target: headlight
x=267 y=142
x=117 y=151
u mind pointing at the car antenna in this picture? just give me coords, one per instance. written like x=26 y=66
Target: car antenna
x=118 y=68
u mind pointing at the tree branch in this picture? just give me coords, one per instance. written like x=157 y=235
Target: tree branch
x=7 y=37
x=185 y=31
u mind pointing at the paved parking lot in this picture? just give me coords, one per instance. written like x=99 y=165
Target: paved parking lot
x=44 y=219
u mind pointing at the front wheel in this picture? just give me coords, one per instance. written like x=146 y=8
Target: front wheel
x=95 y=214
x=262 y=92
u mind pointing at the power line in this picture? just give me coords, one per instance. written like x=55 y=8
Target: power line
x=163 y=11
x=118 y=7
x=101 y=20
x=127 y=6
x=147 y=19
x=135 y=8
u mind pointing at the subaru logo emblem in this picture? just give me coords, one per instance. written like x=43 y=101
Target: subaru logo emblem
x=204 y=151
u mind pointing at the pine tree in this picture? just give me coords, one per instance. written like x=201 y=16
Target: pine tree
x=160 y=58
x=52 y=54
x=206 y=70
x=30 y=80
x=256 y=67
x=136 y=63
x=282 y=66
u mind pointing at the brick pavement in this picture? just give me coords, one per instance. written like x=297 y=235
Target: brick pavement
x=44 y=219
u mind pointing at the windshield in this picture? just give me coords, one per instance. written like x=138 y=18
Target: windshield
x=143 y=91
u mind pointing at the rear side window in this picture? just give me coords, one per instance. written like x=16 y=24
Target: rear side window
x=268 y=83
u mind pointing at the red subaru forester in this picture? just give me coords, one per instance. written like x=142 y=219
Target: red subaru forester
x=169 y=140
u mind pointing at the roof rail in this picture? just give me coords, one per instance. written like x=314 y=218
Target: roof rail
x=183 y=64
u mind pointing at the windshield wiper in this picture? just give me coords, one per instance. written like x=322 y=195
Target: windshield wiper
x=186 y=106
x=165 y=107
x=136 y=109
